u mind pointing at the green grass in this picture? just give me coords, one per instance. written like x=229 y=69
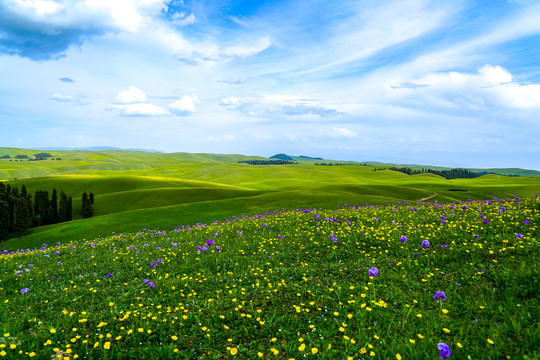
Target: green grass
x=286 y=285
x=136 y=189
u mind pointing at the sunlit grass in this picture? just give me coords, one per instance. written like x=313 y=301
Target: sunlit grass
x=287 y=284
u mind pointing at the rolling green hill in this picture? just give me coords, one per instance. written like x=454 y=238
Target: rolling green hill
x=137 y=189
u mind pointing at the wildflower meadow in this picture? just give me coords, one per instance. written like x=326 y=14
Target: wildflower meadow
x=395 y=281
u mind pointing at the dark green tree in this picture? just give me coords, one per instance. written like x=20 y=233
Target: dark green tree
x=62 y=208
x=69 y=209
x=4 y=219
x=87 y=209
x=54 y=207
x=22 y=215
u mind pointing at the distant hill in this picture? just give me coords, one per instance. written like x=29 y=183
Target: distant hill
x=318 y=160
x=100 y=148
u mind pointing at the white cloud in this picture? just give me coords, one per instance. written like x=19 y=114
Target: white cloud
x=279 y=104
x=185 y=105
x=181 y=19
x=79 y=99
x=131 y=95
x=210 y=52
x=495 y=74
x=488 y=89
x=342 y=133
x=138 y=109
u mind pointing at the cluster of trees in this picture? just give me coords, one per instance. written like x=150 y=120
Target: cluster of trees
x=267 y=162
x=19 y=212
x=447 y=174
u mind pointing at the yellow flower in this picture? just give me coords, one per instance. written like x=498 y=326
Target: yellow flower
x=420 y=336
x=419 y=315
x=363 y=351
x=445 y=311
x=234 y=351
x=3 y=353
x=302 y=347
x=140 y=330
x=459 y=345
x=260 y=354
x=368 y=308
x=490 y=341
x=412 y=341
x=274 y=339
x=12 y=346
x=174 y=337
x=53 y=331
x=341 y=329
x=275 y=351
x=398 y=357
x=371 y=353
x=7 y=334
x=446 y=330
x=107 y=345
x=314 y=350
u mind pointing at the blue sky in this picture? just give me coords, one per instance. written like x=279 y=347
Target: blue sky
x=452 y=83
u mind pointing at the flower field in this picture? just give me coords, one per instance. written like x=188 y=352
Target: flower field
x=401 y=281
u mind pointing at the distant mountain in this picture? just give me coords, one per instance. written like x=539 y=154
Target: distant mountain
x=281 y=157
x=100 y=148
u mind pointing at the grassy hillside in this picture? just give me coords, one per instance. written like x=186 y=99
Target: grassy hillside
x=389 y=282
x=136 y=189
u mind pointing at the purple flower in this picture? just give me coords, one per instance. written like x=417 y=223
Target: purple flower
x=57 y=252
x=519 y=236
x=175 y=244
x=108 y=275
x=210 y=242
x=444 y=350
x=216 y=234
x=486 y=221
x=403 y=239
x=204 y=248
x=25 y=290
x=425 y=243
x=280 y=237
x=146 y=281
x=151 y=284
x=239 y=233
x=334 y=239
x=153 y=264
x=218 y=249
x=59 y=263
x=526 y=222
x=440 y=295
x=160 y=261
x=93 y=245
x=444 y=246
x=373 y=271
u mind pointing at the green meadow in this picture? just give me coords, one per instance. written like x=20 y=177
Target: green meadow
x=136 y=190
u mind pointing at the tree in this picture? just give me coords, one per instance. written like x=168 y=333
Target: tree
x=62 y=208
x=87 y=209
x=69 y=209
x=4 y=219
x=54 y=207
x=22 y=215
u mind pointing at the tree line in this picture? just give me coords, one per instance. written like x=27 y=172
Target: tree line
x=447 y=174
x=19 y=211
